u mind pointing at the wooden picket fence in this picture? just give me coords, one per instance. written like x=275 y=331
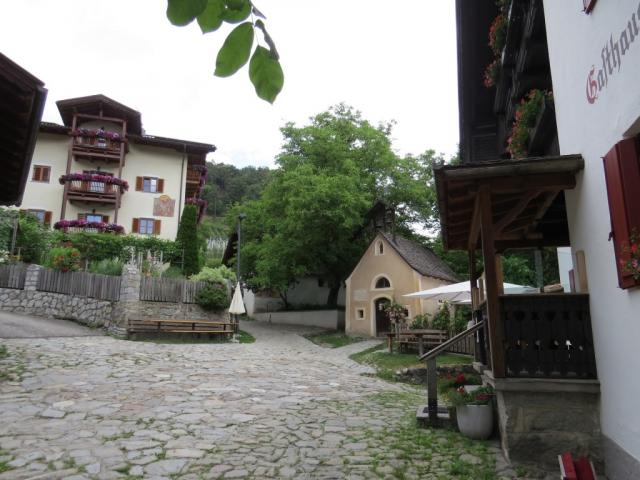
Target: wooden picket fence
x=84 y=284
x=13 y=276
x=153 y=289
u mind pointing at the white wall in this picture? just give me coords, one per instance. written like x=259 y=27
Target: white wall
x=50 y=150
x=142 y=160
x=576 y=41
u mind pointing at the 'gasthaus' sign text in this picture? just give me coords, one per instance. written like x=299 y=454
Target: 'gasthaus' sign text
x=612 y=56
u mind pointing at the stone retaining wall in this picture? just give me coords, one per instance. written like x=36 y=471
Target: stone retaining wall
x=89 y=311
x=98 y=313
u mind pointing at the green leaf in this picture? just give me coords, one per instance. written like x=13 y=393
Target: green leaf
x=211 y=19
x=266 y=74
x=236 y=10
x=235 y=51
x=182 y=12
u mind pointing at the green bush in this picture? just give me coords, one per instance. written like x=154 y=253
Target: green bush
x=64 y=259
x=173 y=272
x=107 y=267
x=420 y=321
x=187 y=239
x=33 y=239
x=461 y=318
x=213 y=298
x=104 y=246
x=442 y=319
x=215 y=275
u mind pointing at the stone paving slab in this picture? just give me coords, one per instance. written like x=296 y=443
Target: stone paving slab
x=282 y=407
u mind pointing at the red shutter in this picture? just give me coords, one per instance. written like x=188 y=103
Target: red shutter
x=82 y=216
x=36 y=174
x=135 y=228
x=160 y=187
x=156 y=227
x=105 y=218
x=45 y=174
x=622 y=173
x=139 y=184
x=47 y=219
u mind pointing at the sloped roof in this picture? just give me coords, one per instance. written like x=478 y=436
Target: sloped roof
x=421 y=259
x=22 y=99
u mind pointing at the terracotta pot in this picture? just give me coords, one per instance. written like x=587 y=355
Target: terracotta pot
x=475 y=421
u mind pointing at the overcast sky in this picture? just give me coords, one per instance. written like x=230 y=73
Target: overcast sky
x=393 y=60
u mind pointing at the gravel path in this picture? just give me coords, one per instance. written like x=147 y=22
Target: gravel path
x=282 y=407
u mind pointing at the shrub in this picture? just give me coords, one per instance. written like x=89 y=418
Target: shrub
x=461 y=318
x=442 y=319
x=187 y=238
x=107 y=267
x=33 y=238
x=215 y=275
x=420 y=321
x=213 y=298
x=64 y=259
x=173 y=272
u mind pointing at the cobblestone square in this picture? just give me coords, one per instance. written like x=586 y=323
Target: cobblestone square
x=282 y=407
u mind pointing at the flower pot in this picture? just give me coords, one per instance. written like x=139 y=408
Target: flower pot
x=475 y=421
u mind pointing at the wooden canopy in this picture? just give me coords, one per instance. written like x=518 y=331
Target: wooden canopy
x=526 y=201
x=102 y=106
x=22 y=99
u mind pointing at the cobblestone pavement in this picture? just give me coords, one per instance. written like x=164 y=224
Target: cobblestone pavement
x=98 y=407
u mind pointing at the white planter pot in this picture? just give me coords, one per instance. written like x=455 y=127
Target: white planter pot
x=475 y=421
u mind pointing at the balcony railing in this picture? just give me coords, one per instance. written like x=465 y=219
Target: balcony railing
x=93 y=187
x=71 y=226
x=97 y=143
x=548 y=336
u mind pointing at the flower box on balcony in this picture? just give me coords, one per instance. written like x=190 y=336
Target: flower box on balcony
x=83 y=225
x=93 y=182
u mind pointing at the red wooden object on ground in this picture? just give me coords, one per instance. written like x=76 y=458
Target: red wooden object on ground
x=582 y=469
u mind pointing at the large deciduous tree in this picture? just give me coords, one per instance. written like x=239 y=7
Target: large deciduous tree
x=330 y=173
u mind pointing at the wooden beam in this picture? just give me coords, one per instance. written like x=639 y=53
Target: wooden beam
x=474 y=230
x=553 y=182
x=515 y=211
x=495 y=327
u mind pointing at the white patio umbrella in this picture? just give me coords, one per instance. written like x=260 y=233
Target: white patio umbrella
x=237 y=305
x=461 y=292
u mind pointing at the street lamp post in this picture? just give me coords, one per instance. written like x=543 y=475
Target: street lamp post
x=241 y=217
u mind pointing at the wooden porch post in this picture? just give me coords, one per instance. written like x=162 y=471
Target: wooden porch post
x=495 y=327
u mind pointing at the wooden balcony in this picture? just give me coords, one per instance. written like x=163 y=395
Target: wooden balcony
x=97 y=148
x=93 y=191
x=547 y=336
x=193 y=182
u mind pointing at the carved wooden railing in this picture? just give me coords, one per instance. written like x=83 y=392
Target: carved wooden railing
x=548 y=336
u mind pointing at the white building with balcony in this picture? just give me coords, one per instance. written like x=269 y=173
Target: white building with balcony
x=100 y=171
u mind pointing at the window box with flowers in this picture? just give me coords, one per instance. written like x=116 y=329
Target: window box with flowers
x=630 y=262
x=532 y=122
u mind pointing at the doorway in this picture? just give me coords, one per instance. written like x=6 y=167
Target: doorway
x=383 y=324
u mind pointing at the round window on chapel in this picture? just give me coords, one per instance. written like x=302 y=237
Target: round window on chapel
x=383 y=282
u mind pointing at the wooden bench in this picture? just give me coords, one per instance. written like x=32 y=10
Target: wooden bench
x=181 y=326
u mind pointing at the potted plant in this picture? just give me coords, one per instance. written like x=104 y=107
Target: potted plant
x=474 y=411
x=526 y=117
